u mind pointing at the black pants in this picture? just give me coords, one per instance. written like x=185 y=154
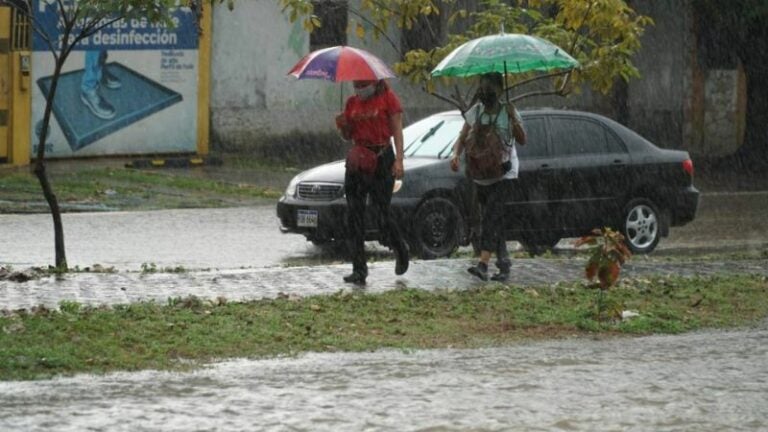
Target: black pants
x=379 y=187
x=492 y=198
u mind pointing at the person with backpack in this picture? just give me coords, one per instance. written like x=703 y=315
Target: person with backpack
x=372 y=120
x=488 y=139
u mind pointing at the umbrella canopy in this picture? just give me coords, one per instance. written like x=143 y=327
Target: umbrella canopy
x=504 y=53
x=341 y=63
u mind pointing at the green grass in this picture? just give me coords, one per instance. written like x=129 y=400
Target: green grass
x=126 y=189
x=187 y=332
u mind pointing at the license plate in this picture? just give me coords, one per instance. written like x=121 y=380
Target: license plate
x=306 y=218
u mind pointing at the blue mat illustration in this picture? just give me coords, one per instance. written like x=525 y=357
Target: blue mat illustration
x=139 y=97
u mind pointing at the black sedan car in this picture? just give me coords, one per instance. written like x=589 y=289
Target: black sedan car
x=579 y=171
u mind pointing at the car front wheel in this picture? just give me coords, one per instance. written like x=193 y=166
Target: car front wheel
x=435 y=229
x=641 y=226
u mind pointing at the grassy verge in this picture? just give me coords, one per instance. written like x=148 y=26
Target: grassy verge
x=187 y=332
x=125 y=189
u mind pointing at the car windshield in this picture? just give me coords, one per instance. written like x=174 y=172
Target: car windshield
x=432 y=137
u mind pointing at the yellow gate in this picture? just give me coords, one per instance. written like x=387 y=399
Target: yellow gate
x=5 y=82
x=15 y=94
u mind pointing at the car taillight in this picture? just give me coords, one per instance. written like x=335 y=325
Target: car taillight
x=688 y=167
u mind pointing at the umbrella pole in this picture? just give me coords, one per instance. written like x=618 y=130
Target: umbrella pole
x=506 y=88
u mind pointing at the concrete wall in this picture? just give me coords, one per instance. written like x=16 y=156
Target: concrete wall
x=255 y=104
x=656 y=100
x=675 y=103
x=678 y=102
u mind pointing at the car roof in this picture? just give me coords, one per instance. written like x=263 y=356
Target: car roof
x=631 y=138
x=530 y=111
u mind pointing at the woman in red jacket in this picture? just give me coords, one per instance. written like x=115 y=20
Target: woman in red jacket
x=372 y=118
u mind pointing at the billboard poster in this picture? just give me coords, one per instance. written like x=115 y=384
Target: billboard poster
x=129 y=89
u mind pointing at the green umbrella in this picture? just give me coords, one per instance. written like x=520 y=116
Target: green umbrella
x=504 y=53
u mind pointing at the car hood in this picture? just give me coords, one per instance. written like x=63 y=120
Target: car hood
x=333 y=172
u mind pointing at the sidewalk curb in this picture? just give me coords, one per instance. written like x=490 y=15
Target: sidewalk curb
x=174 y=162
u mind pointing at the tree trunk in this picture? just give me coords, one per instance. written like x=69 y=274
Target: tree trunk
x=42 y=174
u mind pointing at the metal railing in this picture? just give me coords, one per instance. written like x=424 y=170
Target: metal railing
x=21 y=33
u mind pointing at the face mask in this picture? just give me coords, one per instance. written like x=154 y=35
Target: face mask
x=488 y=98
x=365 y=92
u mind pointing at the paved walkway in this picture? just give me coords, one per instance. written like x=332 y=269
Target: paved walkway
x=250 y=284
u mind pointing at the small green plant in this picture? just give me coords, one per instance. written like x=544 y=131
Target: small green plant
x=147 y=268
x=69 y=307
x=607 y=253
x=177 y=269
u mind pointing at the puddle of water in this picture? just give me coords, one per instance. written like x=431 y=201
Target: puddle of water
x=700 y=381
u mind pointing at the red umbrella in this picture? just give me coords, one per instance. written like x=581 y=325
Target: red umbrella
x=341 y=63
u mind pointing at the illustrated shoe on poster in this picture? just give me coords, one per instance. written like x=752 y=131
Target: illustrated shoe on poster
x=110 y=81
x=97 y=105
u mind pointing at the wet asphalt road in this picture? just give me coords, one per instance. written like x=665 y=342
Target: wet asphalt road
x=249 y=237
x=240 y=254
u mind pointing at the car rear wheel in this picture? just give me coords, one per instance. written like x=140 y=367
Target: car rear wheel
x=641 y=226
x=435 y=229
x=539 y=243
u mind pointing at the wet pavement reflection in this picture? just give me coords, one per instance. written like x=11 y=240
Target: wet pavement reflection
x=693 y=382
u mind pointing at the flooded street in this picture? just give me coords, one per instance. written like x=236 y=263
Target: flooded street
x=695 y=382
x=692 y=382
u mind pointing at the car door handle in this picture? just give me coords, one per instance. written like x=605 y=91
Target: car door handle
x=618 y=162
x=546 y=169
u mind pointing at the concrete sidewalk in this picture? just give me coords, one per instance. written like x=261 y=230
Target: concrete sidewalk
x=251 y=284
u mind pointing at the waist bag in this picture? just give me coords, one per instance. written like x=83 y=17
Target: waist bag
x=362 y=160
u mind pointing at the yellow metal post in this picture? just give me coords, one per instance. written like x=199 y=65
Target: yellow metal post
x=5 y=81
x=204 y=80
x=21 y=114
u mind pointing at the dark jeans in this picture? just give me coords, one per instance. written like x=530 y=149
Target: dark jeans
x=492 y=199
x=379 y=187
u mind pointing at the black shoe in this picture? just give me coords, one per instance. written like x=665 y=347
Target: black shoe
x=402 y=260
x=356 y=278
x=501 y=276
x=480 y=270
